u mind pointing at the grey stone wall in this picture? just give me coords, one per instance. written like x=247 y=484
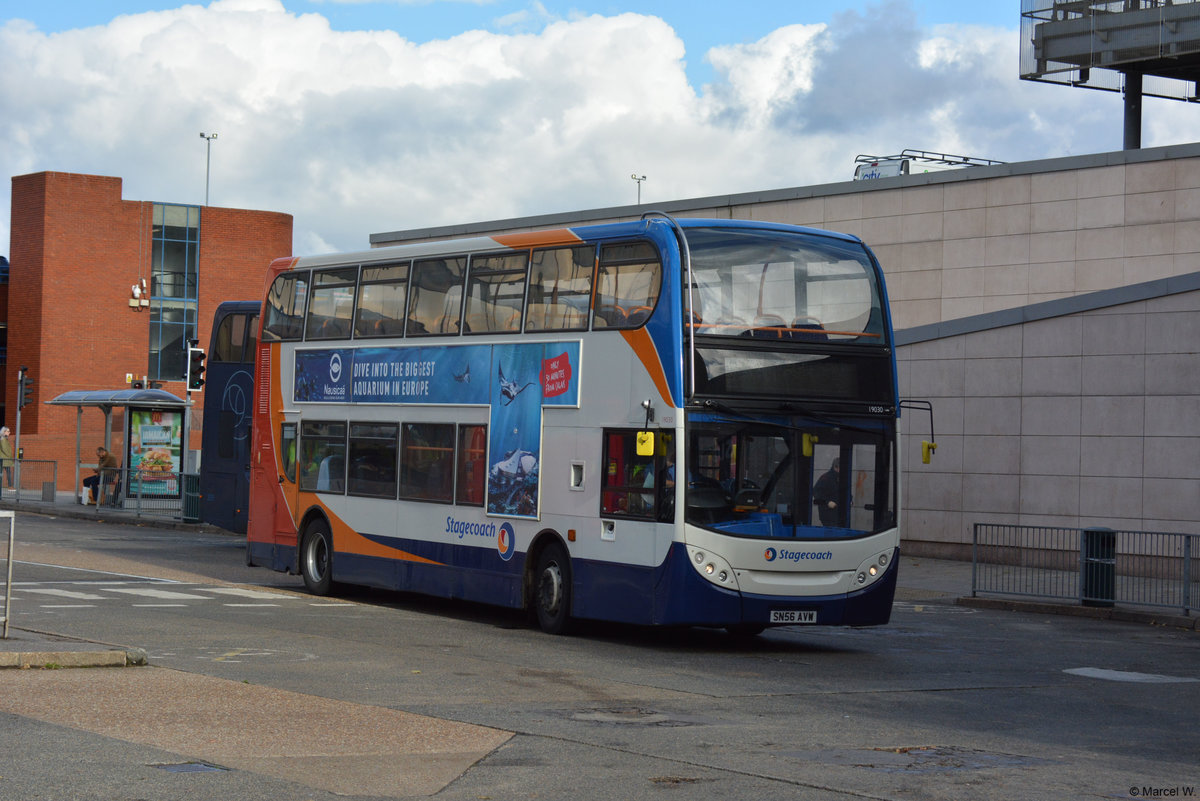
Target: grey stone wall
x=1088 y=418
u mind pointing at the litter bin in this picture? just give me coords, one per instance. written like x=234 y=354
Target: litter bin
x=191 y=498
x=1099 y=567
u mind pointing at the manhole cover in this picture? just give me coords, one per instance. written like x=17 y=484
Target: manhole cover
x=629 y=715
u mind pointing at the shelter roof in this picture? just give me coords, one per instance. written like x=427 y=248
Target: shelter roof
x=118 y=397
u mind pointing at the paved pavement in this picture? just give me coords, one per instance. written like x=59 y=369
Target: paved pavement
x=337 y=746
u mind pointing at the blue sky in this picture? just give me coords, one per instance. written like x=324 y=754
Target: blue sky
x=702 y=23
x=381 y=115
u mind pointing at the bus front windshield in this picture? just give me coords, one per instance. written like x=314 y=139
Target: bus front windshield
x=783 y=286
x=790 y=479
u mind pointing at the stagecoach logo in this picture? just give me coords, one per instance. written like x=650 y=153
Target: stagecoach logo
x=506 y=541
x=335 y=367
x=770 y=554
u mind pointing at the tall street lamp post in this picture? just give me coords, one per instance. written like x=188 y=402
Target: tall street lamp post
x=207 y=160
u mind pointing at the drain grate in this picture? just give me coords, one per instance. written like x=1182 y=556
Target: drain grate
x=191 y=767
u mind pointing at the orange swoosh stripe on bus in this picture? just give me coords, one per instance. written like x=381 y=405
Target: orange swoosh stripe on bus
x=533 y=239
x=347 y=540
x=643 y=346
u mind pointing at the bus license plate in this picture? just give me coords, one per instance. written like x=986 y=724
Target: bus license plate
x=793 y=616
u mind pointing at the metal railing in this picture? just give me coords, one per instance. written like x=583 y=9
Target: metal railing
x=1094 y=566
x=8 y=515
x=124 y=493
x=38 y=480
x=151 y=494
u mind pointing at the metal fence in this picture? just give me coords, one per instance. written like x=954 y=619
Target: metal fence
x=152 y=494
x=125 y=493
x=31 y=480
x=1094 y=566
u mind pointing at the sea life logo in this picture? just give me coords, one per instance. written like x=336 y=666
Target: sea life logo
x=769 y=554
x=335 y=367
x=506 y=541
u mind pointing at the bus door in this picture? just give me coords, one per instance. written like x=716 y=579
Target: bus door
x=287 y=521
x=273 y=496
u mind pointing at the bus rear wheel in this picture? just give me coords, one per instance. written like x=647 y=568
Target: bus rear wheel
x=552 y=589
x=316 y=558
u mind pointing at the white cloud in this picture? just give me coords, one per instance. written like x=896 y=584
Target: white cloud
x=360 y=132
x=761 y=75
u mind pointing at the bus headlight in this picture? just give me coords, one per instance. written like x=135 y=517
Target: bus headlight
x=713 y=568
x=871 y=569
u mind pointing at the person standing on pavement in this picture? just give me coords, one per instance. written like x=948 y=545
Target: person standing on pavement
x=6 y=455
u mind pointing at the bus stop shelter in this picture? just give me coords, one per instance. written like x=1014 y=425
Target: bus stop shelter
x=108 y=399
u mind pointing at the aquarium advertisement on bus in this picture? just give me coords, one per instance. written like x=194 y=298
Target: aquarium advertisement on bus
x=460 y=375
x=516 y=382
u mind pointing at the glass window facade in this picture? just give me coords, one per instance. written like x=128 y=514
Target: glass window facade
x=174 y=284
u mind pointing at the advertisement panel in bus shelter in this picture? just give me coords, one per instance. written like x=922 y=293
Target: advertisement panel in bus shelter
x=155 y=455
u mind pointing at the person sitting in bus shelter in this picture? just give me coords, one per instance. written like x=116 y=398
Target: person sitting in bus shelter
x=105 y=473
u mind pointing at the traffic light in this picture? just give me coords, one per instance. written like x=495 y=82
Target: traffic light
x=195 y=373
x=24 y=388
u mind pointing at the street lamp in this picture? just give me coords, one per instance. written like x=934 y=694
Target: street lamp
x=639 y=179
x=207 y=160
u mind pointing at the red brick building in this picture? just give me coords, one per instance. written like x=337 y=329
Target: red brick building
x=77 y=252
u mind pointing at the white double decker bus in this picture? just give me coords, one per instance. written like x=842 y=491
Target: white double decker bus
x=666 y=422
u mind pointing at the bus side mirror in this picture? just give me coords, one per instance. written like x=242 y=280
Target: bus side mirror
x=645 y=443
x=927 y=449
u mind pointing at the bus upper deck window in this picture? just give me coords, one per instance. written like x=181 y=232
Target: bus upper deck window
x=560 y=289
x=496 y=292
x=435 y=299
x=382 y=298
x=628 y=282
x=331 y=307
x=285 y=306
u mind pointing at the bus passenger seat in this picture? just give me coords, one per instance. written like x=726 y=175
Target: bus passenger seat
x=637 y=316
x=808 y=329
x=768 y=326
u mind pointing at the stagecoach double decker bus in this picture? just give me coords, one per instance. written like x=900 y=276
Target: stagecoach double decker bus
x=665 y=422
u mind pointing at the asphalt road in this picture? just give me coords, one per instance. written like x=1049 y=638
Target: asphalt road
x=258 y=690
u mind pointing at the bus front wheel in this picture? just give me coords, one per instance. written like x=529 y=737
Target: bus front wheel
x=316 y=558
x=552 y=589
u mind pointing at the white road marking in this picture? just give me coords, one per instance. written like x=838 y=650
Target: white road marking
x=78 y=596
x=166 y=595
x=1126 y=675
x=245 y=593
x=153 y=595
